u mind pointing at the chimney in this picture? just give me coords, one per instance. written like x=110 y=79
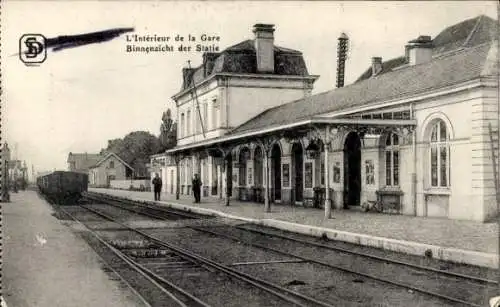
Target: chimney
x=341 y=58
x=419 y=51
x=264 y=47
x=376 y=65
x=208 y=62
x=186 y=76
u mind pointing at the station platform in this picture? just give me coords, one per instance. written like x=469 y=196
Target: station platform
x=450 y=240
x=45 y=264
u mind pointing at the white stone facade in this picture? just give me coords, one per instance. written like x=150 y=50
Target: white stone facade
x=428 y=153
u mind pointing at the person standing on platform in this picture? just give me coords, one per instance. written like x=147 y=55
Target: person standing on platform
x=196 y=184
x=157 y=183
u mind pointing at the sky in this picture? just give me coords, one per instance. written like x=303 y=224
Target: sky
x=81 y=97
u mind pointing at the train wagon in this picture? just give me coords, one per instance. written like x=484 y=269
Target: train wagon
x=63 y=187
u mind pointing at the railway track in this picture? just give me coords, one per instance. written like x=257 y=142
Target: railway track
x=477 y=279
x=356 y=269
x=447 y=281
x=143 y=209
x=164 y=292
x=190 y=260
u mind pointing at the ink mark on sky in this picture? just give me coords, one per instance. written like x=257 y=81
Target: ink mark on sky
x=70 y=41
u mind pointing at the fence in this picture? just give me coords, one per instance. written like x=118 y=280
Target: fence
x=135 y=185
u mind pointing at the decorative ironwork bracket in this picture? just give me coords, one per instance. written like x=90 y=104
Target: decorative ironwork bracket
x=267 y=143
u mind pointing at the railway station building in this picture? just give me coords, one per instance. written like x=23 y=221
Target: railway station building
x=417 y=134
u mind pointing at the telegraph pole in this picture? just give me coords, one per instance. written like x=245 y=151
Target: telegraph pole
x=498 y=136
x=194 y=95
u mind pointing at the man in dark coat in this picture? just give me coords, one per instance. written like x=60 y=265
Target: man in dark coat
x=196 y=184
x=157 y=183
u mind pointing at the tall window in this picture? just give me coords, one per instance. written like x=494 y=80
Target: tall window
x=188 y=123
x=183 y=126
x=111 y=164
x=439 y=155
x=205 y=117
x=197 y=118
x=215 y=114
x=392 y=160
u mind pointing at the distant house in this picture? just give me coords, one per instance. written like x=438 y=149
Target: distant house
x=81 y=162
x=110 y=167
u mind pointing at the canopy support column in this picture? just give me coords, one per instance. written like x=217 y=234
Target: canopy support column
x=177 y=176
x=228 y=186
x=328 y=202
x=267 y=206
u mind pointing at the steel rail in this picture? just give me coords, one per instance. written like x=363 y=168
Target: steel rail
x=416 y=266
x=398 y=284
x=339 y=249
x=257 y=282
x=95 y=196
x=140 y=296
x=427 y=292
x=149 y=275
x=138 y=212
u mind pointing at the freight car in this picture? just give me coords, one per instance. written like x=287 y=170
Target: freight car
x=63 y=187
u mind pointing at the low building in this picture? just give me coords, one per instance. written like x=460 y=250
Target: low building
x=110 y=167
x=81 y=162
x=417 y=134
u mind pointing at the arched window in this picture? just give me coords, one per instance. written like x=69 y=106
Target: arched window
x=111 y=164
x=392 y=160
x=439 y=152
x=243 y=158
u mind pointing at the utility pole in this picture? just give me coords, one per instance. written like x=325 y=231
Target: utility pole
x=498 y=136
x=194 y=96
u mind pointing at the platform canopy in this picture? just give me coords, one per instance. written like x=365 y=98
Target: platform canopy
x=320 y=125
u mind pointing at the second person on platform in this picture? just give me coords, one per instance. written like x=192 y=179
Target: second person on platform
x=196 y=184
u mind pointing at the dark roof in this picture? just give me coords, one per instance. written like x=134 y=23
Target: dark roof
x=386 y=67
x=241 y=58
x=460 y=66
x=107 y=156
x=86 y=159
x=468 y=33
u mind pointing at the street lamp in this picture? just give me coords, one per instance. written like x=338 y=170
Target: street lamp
x=313 y=149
